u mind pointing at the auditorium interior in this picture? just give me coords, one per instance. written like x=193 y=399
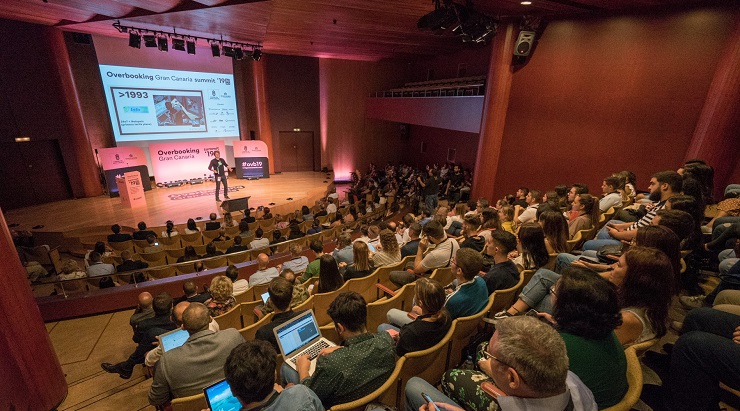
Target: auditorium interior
x=330 y=88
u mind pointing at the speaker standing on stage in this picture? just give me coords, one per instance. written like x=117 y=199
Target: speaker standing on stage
x=221 y=170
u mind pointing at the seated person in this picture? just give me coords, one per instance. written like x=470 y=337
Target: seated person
x=431 y=324
x=264 y=274
x=281 y=295
x=440 y=256
x=412 y=245
x=213 y=224
x=258 y=241
x=143 y=233
x=362 y=265
x=117 y=237
x=129 y=264
x=189 y=254
x=503 y=273
x=298 y=263
x=240 y=285
x=471 y=224
x=237 y=246
x=244 y=231
x=468 y=297
x=222 y=235
x=525 y=364
x=152 y=244
x=248 y=216
x=144 y=310
x=170 y=230
x=153 y=356
x=191 y=227
x=101 y=249
x=312 y=270
x=222 y=296
x=98 y=268
x=585 y=214
x=250 y=372
x=343 y=253
x=329 y=277
x=145 y=336
x=612 y=197
x=190 y=293
x=70 y=271
x=212 y=251
x=389 y=252
x=300 y=294
x=205 y=351
x=360 y=366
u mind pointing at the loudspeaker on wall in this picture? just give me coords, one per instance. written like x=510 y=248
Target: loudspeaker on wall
x=524 y=43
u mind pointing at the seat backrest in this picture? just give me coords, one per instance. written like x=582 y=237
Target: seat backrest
x=192 y=403
x=464 y=329
x=185 y=268
x=174 y=254
x=321 y=304
x=427 y=364
x=250 y=331
x=443 y=275
x=641 y=348
x=266 y=223
x=259 y=289
x=385 y=271
x=223 y=245
x=191 y=239
x=140 y=245
x=122 y=246
x=154 y=259
x=503 y=299
x=634 y=380
x=306 y=305
x=377 y=311
x=170 y=243
x=232 y=231
x=388 y=393
x=215 y=262
x=230 y=319
x=209 y=235
x=365 y=286
x=162 y=272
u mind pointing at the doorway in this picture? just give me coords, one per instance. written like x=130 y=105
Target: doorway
x=296 y=151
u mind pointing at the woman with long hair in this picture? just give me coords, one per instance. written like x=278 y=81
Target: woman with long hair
x=531 y=246
x=191 y=228
x=506 y=216
x=329 y=277
x=585 y=312
x=431 y=323
x=228 y=220
x=555 y=228
x=306 y=212
x=586 y=207
x=391 y=252
x=489 y=222
x=169 y=229
x=362 y=265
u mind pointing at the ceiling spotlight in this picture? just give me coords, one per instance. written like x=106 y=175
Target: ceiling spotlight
x=178 y=44
x=257 y=54
x=162 y=44
x=215 y=50
x=526 y=3
x=238 y=53
x=134 y=40
x=190 y=46
x=150 y=40
x=228 y=51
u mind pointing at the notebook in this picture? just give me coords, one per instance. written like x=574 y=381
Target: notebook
x=173 y=339
x=220 y=398
x=301 y=336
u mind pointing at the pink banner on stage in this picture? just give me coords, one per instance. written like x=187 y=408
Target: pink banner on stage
x=250 y=148
x=121 y=157
x=183 y=160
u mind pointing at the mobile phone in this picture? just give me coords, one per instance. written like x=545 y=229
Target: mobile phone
x=428 y=399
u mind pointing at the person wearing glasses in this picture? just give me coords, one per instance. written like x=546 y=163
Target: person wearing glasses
x=525 y=366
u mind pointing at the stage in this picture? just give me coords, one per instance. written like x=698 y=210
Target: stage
x=289 y=191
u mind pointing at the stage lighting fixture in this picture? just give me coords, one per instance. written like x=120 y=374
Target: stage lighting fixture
x=215 y=50
x=162 y=44
x=228 y=51
x=178 y=44
x=238 y=53
x=134 y=40
x=257 y=54
x=150 y=40
x=190 y=46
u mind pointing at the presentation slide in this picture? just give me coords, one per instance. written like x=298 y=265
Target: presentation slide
x=154 y=104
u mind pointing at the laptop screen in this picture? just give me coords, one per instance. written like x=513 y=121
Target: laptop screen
x=265 y=296
x=173 y=339
x=298 y=332
x=220 y=398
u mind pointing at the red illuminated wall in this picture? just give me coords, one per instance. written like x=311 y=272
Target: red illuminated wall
x=437 y=141
x=600 y=96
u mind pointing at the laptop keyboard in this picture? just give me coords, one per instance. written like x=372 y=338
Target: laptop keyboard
x=312 y=351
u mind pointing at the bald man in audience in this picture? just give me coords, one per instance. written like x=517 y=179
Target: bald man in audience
x=191 y=295
x=154 y=355
x=186 y=370
x=143 y=310
x=264 y=274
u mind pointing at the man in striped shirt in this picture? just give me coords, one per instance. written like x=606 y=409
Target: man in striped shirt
x=663 y=185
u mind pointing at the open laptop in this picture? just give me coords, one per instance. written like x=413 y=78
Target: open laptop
x=219 y=397
x=173 y=339
x=301 y=336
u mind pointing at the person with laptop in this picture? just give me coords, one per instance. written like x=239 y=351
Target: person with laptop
x=250 y=373
x=281 y=295
x=348 y=372
x=186 y=370
x=174 y=338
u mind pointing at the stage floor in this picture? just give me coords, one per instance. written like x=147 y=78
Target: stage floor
x=176 y=204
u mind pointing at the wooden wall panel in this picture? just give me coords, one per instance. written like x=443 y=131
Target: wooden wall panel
x=349 y=140
x=600 y=96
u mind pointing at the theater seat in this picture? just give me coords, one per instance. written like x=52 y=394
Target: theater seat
x=634 y=379
x=192 y=403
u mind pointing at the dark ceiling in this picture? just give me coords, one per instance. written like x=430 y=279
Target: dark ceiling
x=348 y=29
